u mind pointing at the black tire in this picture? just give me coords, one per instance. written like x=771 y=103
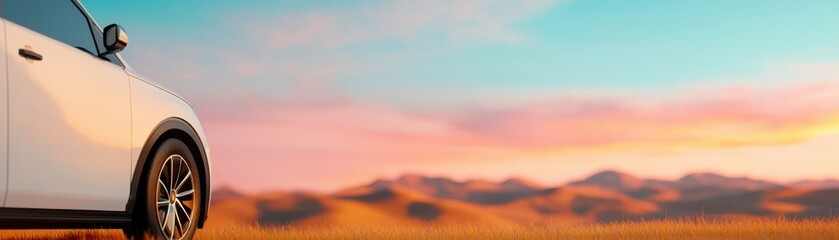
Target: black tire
x=168 y=210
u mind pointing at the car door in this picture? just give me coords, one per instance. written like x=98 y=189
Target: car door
x=69 y=112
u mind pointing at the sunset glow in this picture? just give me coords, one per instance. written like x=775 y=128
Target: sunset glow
x=322 y=95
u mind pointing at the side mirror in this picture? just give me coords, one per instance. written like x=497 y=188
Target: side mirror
x=115 y=39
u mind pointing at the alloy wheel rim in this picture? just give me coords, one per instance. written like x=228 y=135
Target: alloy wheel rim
x=175 y=195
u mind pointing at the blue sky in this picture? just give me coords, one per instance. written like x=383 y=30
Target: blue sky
x=578 y=44
x=459 y=79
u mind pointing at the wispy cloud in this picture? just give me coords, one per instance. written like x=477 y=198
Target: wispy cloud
x=307 y=51
x=722 y=117
x=469 y=21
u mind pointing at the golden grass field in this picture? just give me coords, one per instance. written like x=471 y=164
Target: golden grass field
x=750 y=228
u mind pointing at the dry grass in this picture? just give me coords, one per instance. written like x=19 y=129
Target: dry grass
x=755 y=228
x=752 y=228
x=61 y=234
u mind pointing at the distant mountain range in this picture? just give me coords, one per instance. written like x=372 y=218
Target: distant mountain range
x=605 y=196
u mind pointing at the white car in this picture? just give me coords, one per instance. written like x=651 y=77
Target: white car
x=85 y=142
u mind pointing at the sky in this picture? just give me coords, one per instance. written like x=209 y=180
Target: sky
x=320 y=95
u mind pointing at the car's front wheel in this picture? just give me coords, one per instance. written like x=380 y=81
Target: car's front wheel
x=171 y=201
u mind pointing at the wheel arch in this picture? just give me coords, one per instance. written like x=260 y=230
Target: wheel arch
x=177 y=128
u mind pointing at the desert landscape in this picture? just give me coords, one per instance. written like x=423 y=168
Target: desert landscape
x=605 y=197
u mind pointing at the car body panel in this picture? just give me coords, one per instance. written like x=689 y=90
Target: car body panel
x=69 y=127
x=152 y=105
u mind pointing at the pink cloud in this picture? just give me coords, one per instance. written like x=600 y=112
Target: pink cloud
x=322 y=141
x=328 y=139
x=723 y=116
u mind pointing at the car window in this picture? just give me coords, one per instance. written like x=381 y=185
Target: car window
x=60 y=20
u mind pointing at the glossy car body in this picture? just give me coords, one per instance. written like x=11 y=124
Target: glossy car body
x=77 y=125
